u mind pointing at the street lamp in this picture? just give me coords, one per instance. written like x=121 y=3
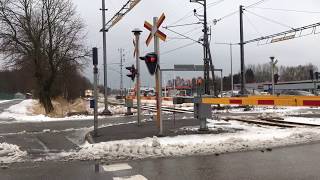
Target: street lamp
x=136 y=32
x=273 y=63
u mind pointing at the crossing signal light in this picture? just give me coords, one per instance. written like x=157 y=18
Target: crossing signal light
x=151 y=60
x=276 y=78
x=133 y=72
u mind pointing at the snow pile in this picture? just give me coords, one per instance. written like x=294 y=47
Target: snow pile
x=23 y=108
x=10 y=153
x=256 y=138
x=22 y=112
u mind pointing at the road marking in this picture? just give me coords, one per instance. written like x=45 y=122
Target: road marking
x=116 y=167
x=45 y=148
x=135 y=177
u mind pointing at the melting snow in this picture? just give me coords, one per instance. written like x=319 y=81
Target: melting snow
x=11 y=153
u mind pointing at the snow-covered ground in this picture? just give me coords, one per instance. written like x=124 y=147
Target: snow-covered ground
x=10 y=153
x=22 y=112
x=240 y=137
x=236 y=136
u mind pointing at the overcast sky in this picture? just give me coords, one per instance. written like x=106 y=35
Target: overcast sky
x=293 y=52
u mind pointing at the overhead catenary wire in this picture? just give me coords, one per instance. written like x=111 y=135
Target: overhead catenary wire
x=183 y=36
x=254 y=27
x=237 y=11
x=178 y=48
x=270 y=20
x=180 y=25
x=256 y=4
x=190 y=13
x=289 y=10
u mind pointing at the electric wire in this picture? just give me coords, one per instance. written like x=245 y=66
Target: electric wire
x=179 y=25
x=289 y=10
x=178 y=48
x=254 y=27
x=270 y=20
x=255 y=4
x=237 y=11
x=190 y=13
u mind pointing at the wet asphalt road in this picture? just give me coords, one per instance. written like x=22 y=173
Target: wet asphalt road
x=289 y=163
x=41 y=138
x=38 y=139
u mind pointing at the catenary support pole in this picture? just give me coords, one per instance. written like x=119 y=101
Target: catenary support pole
x=242 y=52
x=104 y=34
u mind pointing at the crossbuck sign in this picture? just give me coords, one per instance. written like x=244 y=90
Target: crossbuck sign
x=154 y=29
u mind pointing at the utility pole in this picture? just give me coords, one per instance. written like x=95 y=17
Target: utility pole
x=231 y=63
x=104 y=34
x=242 y=92
x=208 y=65
x=137 y=33
x=122 y=56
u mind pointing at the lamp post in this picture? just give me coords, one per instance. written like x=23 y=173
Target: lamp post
x=137 y=33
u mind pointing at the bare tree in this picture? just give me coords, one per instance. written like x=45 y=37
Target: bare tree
x=45 y=35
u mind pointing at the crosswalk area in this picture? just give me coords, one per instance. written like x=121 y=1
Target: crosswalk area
x=122 y=171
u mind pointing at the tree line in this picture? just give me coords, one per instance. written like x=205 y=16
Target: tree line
x=45 y=40
x=69 y=86
x=258 y=73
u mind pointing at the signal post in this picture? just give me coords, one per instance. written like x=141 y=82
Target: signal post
x=158 y=81
x=156 y=34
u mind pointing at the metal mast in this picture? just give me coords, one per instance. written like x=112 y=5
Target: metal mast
x=106 y=26
x=106 y=110
x=242 y=52
x=208 y=65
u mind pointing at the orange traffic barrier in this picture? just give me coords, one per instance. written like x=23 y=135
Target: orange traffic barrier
x=267 y=100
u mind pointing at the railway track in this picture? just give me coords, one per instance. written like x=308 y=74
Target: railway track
x=271 y=122
x=167 y=109
x=154 y=109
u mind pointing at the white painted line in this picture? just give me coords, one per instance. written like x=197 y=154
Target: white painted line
x=45 y=148
x=135 y=177
x=116 y=167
